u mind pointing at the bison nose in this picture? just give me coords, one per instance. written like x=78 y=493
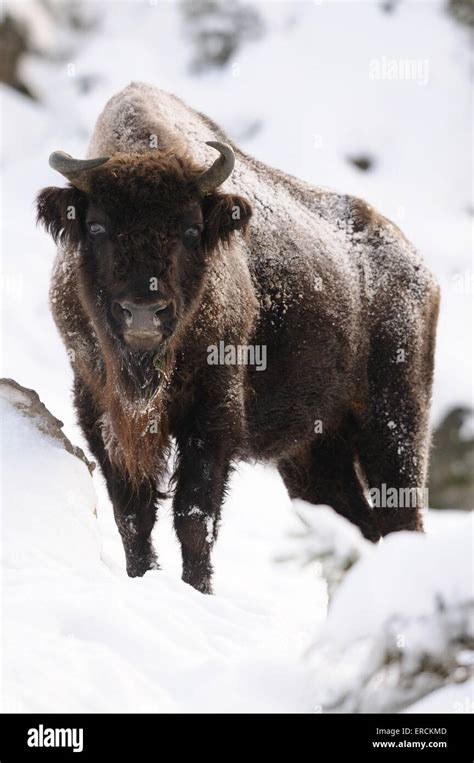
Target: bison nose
x=140 y=317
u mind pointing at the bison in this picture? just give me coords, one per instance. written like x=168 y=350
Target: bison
x=166 y=251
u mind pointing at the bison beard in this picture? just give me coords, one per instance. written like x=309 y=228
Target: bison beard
x=155 y=265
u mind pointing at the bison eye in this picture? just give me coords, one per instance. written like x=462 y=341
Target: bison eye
x=191 y=235
x=95 y=228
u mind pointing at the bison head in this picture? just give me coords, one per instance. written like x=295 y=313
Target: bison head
x=144 y=228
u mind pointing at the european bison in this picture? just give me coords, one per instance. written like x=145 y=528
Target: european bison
x=174 y=277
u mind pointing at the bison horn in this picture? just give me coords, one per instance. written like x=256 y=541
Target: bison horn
x=73 y=169
x=220 y=170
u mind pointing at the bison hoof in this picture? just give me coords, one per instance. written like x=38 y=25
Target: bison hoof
x=394 y=520
x=199 y=577
x=137 y=566
x=370 y=531
x=203 y=585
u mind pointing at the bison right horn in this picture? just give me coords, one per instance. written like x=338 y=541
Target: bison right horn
x=74 y=169
x=219 y=171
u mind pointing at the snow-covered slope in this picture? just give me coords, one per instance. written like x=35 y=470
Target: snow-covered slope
x=401 y=624
x=78 y=635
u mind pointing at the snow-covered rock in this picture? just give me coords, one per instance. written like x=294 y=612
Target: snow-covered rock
x=78 y=635
x=27 y=401
x=48 y=497
x=400 y=625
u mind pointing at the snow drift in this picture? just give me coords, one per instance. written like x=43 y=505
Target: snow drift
x=79 y=636
x=400 y=625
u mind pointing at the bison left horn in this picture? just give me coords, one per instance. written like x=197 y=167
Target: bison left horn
x=74 y=169
x=219 y=171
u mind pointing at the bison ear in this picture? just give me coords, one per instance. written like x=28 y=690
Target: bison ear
x=61 y=211
x=224 y=214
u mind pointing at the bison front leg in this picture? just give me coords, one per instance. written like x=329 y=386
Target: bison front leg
x=135 y=516
x=134 y=505
x=201 y=478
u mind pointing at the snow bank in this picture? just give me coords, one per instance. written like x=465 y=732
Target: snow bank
x=400 y=624
x=408 y=575
x=456 y=698
x=79 y=636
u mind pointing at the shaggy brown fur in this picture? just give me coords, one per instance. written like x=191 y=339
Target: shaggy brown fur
x=339 y=299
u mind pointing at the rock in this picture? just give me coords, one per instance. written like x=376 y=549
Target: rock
x=462 y=10
x=451 y=482
x=41 y=29
x=27 y=401
x=363 y=162
x=49 y=504
x=14 y=43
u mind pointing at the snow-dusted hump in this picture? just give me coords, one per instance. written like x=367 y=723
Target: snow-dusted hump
x=141 y=118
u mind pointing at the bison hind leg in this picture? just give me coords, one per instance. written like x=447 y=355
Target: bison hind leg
x=393 y=437
x=325 y=472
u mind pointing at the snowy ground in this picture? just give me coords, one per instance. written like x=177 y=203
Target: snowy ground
x=105 y=642
x=79 y=636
